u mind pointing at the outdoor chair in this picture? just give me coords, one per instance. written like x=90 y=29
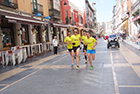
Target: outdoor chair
x=10 y=57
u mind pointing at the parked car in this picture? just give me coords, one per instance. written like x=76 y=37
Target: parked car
x=113 y=40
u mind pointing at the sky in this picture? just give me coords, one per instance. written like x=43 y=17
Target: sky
x=104 y=8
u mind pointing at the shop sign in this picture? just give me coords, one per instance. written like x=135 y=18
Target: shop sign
x=12 y=21
x=136 y=18
x=26 y=15
x=37 y=18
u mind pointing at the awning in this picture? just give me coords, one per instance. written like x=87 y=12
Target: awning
x=121 y=24
x=24 y=20
x=15 y=17
x=136 y=18
x=92 y=30
x=60 y=25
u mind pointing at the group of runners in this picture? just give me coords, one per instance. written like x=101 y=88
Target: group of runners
x=73 y=45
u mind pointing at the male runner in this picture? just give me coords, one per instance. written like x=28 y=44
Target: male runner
x=70 y=46
x=91 y=43
x=85 y=46
x=75 y=40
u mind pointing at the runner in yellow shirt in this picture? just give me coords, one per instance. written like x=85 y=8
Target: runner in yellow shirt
x=91 y=43
x=85 y=46
x=75 y=40
x=69 y=46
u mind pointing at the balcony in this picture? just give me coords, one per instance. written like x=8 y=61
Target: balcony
x=73 y=22
x=135 y=8
x=68 y=21
x=124 y=16
x=85 y=25
x=10 y=4
x=54 y=14
x=37 y=8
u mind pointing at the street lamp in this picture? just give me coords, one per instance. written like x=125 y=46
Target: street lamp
x=65 y=3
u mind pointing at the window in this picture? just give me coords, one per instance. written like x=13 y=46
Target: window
x=80 y=19
x=72 y=15
x=66 y=16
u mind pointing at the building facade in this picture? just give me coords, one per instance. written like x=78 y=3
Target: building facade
x=135 y=16
x=126 y=17
x=108 y=27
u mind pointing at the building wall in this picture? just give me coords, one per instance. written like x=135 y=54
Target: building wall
x=45 y=7
x=63 y=9
x=26 y=6
x=23 y=3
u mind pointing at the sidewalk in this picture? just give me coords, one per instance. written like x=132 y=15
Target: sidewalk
x=31 y=60
x=131 y=43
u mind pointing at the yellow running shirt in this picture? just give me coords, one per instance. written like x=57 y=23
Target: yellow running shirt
x=76 y=40
x=69 y=46
x=83 y=38
x=90 y=42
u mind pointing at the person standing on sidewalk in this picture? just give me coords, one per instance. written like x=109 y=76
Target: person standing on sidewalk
x=91 y=43
x=75 y=40
x=85 y=46
x=55 y=45
x=70 y=47
x=138 y=36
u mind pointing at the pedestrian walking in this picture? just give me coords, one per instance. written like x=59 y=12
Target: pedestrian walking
x=85 y=46
x=91 y=43
x=75 y=40
x=138 y=36
x=55 y=45
x=70 y=47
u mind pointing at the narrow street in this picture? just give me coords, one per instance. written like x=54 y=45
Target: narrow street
x=116 y=71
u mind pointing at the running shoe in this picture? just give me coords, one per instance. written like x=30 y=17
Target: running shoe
x=86 y=62
x=91 y=67
x=77 y=67
x=71 y=65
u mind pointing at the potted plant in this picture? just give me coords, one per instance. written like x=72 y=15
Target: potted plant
x=47 y=41
x=60 y=40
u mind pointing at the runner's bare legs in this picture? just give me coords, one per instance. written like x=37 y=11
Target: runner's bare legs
x=77 y=56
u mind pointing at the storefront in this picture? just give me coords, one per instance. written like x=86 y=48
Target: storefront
x=124 y=27
x=59 y=30
x=19 y=30
x=24 y=34
x=7 y=33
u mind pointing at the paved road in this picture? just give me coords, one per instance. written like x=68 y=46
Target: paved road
x=116 y=71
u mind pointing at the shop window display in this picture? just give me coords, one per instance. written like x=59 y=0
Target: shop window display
x=6 y=37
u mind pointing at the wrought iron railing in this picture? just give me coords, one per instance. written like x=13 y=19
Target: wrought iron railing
x=55 y=14
x=73 y=22
x=37 y=8
x=9 y=3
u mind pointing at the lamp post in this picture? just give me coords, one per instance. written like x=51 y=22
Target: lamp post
x=65 y=3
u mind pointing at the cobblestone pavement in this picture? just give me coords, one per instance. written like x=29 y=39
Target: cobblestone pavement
x=116 y=71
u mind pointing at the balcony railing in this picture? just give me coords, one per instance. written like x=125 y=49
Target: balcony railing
x=135 y=6
x=10 y=4
x=124 y=15
x=37 y=8
x=73 y=22
x=54 y=14
x=68 y=21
